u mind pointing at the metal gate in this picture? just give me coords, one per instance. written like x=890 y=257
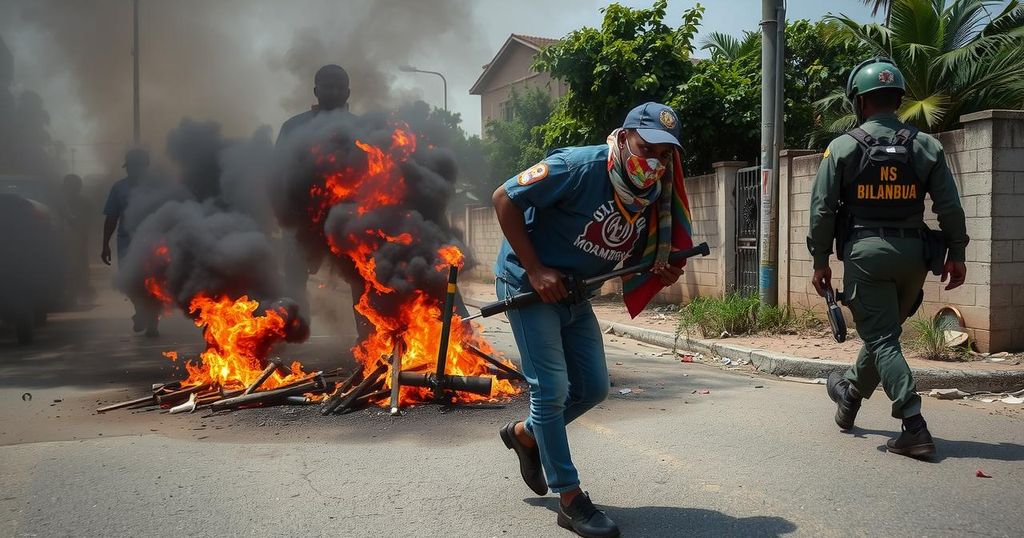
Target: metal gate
x=748 y=208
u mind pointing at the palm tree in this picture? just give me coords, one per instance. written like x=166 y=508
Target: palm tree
x=727 y=47
x=879 y=5
x=955 y=58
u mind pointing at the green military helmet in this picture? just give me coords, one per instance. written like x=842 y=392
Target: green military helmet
x=878 y=73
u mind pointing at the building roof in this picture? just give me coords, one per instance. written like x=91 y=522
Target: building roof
x=533 y=42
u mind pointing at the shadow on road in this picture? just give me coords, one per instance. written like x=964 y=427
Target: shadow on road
x=672 y=521
x=950 y=448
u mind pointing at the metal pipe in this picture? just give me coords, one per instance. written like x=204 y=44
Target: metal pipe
x=446 y=327
x=476 y=385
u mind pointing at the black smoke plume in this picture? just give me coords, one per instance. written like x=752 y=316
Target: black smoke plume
x=425 y=180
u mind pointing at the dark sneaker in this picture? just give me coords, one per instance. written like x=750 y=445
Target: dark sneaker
x=838 y=388
x=529 y=459
x=583 y=518
x=914 y=443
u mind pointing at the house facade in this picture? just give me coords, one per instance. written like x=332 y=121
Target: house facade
x=510 y=70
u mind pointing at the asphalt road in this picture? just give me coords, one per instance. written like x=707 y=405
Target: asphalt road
x=756 y=456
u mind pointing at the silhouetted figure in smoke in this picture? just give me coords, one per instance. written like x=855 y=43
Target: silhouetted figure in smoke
x=331 y=88
x=136 y=162
x=76 y=211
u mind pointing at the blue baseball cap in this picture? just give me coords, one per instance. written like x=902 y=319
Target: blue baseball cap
x=655 y=123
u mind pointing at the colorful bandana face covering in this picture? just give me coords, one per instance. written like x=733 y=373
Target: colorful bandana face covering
x=643 y=173
x=634 y=198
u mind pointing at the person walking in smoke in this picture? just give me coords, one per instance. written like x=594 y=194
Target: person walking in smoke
x=136 y=162
x=331 y=88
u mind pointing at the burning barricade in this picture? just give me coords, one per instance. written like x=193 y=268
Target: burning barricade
x=365 y=196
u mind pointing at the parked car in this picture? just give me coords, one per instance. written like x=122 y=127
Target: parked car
x=33 y=260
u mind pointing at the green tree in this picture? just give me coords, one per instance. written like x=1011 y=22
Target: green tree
x=956 y=59
x=515 y=144
x=634 y=57
x=720 y=105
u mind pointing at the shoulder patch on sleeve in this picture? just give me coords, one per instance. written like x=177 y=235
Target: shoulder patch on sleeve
x=533 y=174
x=828 y=151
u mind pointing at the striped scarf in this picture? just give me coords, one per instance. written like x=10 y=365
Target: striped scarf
x=661 y=192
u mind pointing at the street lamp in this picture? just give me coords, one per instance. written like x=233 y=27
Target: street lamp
x=411 y=69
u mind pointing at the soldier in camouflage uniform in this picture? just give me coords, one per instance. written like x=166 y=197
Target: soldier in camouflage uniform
x=869 y=196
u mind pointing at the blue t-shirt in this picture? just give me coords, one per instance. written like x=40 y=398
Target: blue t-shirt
x=572 y=217
x=117 y=202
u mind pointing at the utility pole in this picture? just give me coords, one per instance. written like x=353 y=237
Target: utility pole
x=772 y=18
x=137 y=134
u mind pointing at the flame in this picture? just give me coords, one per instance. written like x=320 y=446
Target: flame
x=157 y=291
x=450 y=255
x=173 y=355
x=237 y=343
x=418 y=322
x=380 y=184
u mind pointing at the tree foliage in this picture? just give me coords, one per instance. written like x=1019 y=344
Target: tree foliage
x=634 y=57
x=515 y=144
x=956 y=57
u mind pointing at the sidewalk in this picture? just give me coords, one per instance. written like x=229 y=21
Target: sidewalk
x=802 y=356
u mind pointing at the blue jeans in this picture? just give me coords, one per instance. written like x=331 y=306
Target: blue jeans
x=563 y=361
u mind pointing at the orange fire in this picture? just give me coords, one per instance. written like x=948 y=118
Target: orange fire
x=157 y=291
x=379 y=185
x=237 y=343
x=418 y=323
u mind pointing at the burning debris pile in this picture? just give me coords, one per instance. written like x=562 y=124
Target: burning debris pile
x=364 y=194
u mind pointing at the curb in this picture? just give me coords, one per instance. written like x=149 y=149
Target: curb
x=777 y=364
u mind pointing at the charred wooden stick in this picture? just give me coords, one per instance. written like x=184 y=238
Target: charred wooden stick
x=169 y=386
x=334 y=400
x=262 y=397
x=174 y=397
x=274 y=365
x=446 y=327
x=495 y=362
x=396 y=369
x=363 y=385
x=130 y=403
x=439 y=384
x=365 y=399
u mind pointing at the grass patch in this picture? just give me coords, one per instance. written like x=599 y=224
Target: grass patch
x=738 y=315
x=926 y=338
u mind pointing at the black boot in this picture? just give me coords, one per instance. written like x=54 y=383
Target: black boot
x=583 y=518
x=529 y=459
x=846 y=398
x=914 y=441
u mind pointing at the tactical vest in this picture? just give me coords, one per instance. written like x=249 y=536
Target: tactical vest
x=886 y=185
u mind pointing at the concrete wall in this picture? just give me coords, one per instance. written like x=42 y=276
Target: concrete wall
x=987 y=160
